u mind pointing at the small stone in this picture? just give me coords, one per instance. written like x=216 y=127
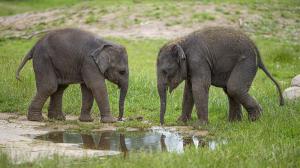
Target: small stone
x=296 y=81
x=292 y=93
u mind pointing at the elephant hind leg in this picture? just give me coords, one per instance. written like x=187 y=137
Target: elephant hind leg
x=87 y=104
x=46 y=84
x=238 y=86
x=55 y=106
x=187 y=103
x=37 y=103
x=235 y=109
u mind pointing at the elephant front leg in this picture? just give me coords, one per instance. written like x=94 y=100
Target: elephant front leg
x=55 y=106
x=96 y=83
x=87 y=104
x=187 y=103
x=100 y=94
x=200 y=88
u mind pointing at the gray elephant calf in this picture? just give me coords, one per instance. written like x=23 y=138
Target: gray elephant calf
x=217 y=56
x=69 y=56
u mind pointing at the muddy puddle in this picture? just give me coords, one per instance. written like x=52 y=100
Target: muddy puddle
x=153 y=140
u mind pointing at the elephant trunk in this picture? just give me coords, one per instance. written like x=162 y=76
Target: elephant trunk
x=162 y=91
x=123 y=92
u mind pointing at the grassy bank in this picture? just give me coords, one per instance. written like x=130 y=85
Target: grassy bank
x=11 y=7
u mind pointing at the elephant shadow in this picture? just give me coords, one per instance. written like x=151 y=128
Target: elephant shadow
x=103 y=141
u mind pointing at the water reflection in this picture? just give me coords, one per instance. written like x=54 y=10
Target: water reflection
x=130 y=141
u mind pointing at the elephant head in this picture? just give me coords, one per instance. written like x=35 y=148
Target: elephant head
x=171 y=71
x=112 y=61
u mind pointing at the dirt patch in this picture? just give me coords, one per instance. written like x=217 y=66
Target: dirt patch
x=20 y=147
x=155 y=21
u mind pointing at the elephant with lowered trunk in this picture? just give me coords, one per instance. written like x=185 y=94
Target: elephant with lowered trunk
x=69 y=56
x=217 y=56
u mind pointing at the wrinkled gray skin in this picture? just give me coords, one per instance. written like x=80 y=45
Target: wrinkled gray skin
x=222 y=57
x=70 y=56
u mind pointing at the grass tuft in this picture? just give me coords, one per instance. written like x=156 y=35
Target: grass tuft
x=200 y=17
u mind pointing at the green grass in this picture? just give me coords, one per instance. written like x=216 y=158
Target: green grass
x=271 y=18
x=257 y=2
x=271 y=141
x=200 y=17
x=142 y=96
x=10 y=7
x=91 y=19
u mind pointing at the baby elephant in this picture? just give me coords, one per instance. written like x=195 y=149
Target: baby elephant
x=69 y=56
x=217 y=56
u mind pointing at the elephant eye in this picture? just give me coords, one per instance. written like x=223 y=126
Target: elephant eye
x=122 y=72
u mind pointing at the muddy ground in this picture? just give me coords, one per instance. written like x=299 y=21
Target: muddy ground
x=155 y=21
x=17 y=138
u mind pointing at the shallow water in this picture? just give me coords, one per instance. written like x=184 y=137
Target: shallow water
x=153 y=140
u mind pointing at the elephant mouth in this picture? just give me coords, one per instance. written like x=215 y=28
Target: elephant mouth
x=116 y=82
x=119 y=84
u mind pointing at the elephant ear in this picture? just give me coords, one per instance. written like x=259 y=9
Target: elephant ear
x=181 y=57
x=101 y=58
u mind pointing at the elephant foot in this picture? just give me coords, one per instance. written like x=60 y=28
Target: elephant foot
x=108 y=119
x=35 y=116
x=56 y=116
x=255 y=115
x=86 y=118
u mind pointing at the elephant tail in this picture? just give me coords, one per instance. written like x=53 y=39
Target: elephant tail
x=262 y=67
x=25 y=59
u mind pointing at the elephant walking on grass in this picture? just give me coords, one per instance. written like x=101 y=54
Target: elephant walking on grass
x=69 y=56
x=217 y=56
